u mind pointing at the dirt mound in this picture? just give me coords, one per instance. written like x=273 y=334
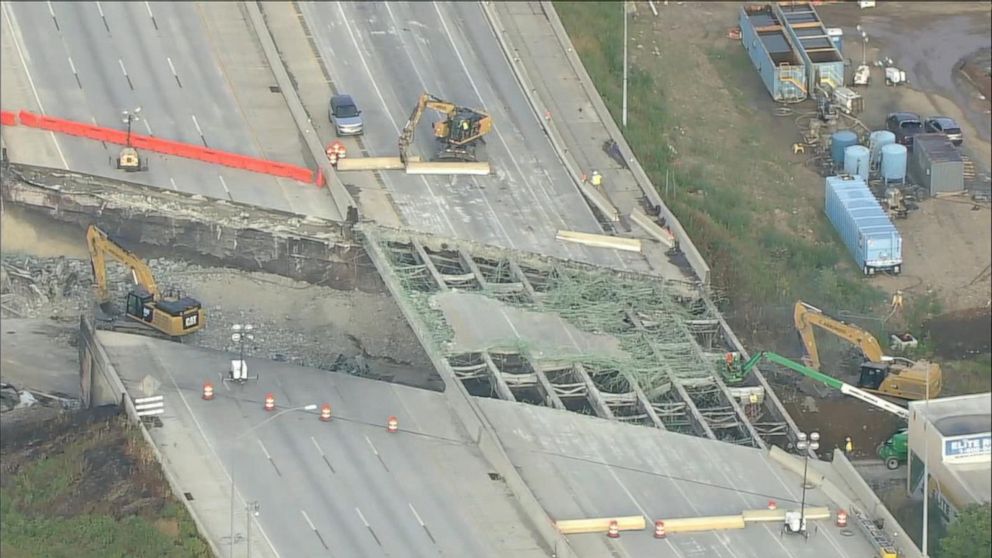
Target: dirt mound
x=961 y=334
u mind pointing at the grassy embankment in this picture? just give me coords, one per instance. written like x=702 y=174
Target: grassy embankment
x=97 y=492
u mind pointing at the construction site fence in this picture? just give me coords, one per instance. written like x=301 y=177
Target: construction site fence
x=157 y=145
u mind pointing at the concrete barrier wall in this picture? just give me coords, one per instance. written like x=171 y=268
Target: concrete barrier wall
x=875 y=508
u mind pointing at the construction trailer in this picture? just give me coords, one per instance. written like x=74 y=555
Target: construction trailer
x=936 y=164
x=772 y=53
x=823 y=63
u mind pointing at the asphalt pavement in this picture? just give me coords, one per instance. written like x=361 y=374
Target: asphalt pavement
x=341 y=488
x=88 y=61
x=386 y=54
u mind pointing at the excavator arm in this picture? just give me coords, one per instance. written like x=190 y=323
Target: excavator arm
x=807 y=317
x=100 y=245
x=461 y=127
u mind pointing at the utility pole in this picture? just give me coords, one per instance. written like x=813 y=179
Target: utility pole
x=926 y=470
x=806 y=446
x=624 y=117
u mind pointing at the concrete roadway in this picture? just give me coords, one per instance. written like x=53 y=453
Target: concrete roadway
x=580 y=466
x=341 y=488
x=88 y=61
x=385 y=54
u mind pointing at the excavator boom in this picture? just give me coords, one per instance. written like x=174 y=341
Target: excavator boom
x=457 y=133
x=100 y=246
x=807 y=316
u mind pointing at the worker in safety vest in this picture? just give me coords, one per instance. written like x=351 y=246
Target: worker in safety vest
x=848 y=445
x=596 y=179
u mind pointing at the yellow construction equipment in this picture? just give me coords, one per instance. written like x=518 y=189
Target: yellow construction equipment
x=173 y=316
x=895 y=376
x=458 y=133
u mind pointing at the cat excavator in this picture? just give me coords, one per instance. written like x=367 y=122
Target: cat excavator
x=173 y=316
x=457 y=134
x=893 y=376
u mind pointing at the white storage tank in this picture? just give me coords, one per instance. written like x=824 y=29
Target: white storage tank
x=876 y=141
x=856 y=161
x=894 y=163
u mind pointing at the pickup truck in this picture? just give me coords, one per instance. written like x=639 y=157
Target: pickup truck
x=905 y=125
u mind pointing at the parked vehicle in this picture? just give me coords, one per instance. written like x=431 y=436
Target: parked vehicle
x=344 y=114
x=894 y=451
x=863 y=226
x=904 y=125
x=944 y=125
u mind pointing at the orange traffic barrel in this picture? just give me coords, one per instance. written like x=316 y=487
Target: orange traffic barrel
x=614 y=531
x=270 y=402
x=208 y=391
x=325 y=412
x=392 y=425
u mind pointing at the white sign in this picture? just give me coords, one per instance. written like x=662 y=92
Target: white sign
x=967 y=447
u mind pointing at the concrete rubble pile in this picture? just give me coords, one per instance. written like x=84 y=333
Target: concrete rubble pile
x=62 y=289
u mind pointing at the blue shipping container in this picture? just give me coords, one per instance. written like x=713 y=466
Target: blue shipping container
x=772 y=53
x=863 y=225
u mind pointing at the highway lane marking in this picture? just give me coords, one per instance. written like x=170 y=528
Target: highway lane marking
x=322 y=454
x=421 y=522
x=148 y=126
x=72 y=67
x=103 y=17
x=385 y=106
x=269 y=457
x=314 y=529
x=224 y=184
x=51 y=10
x=174 y=74
x=367 y=526
x=27 y=72
x=124 y=71
x=174 y=187
x=376 y=453
x=151 y=15
x=200 y=131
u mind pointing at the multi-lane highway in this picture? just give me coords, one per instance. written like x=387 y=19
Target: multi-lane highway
x=385 y=54
x=89 y=61
x=341 y=488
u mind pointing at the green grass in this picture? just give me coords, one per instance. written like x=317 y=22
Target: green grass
x=29 y=529
x=750 y=254
x=968 y=376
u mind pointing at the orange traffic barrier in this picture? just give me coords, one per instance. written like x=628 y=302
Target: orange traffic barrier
x=772 y=505
x=325 y=412
x=270 y=402
x=208 y=391
x=8 y=118
x=392 y=425
x=167 y=147
x=659 y=529
x=841 y=518
x=614 y=531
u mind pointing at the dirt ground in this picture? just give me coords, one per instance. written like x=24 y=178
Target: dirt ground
x=723 y=112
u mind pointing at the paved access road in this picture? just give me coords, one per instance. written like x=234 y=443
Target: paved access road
x=386 y=54
x=89 y=61
x=342 y=488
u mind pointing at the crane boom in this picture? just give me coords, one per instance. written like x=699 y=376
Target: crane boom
x=829 y=381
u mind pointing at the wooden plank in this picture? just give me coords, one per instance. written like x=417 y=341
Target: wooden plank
x=446 y=167
x=757 y=516
x=712 y=523
x=642 y=220
x=369 y=163
x=600 y=524
x=600 y=240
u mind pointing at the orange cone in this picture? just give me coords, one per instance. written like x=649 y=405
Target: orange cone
x=208 y=391
x=392 y=425
x=841 y=518
x=659 y=529
x=614 y=532
x=270 y=402
x=772 y=505
x=325 y=412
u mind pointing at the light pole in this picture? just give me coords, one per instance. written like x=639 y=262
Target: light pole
x=805 y=446
x=234 y=443
x=864 y=45
x=624 y=110
x=251 y=509
x=128 y=117
x=926 y=470
x=241 y=334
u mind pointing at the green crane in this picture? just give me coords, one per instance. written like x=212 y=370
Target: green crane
x=893 y=451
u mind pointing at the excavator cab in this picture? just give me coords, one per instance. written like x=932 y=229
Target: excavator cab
x=872 y=375
x=140 y=304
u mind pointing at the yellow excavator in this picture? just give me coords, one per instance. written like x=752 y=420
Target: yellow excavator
x=894 y=376
x=458 y=133
x=173 y=316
